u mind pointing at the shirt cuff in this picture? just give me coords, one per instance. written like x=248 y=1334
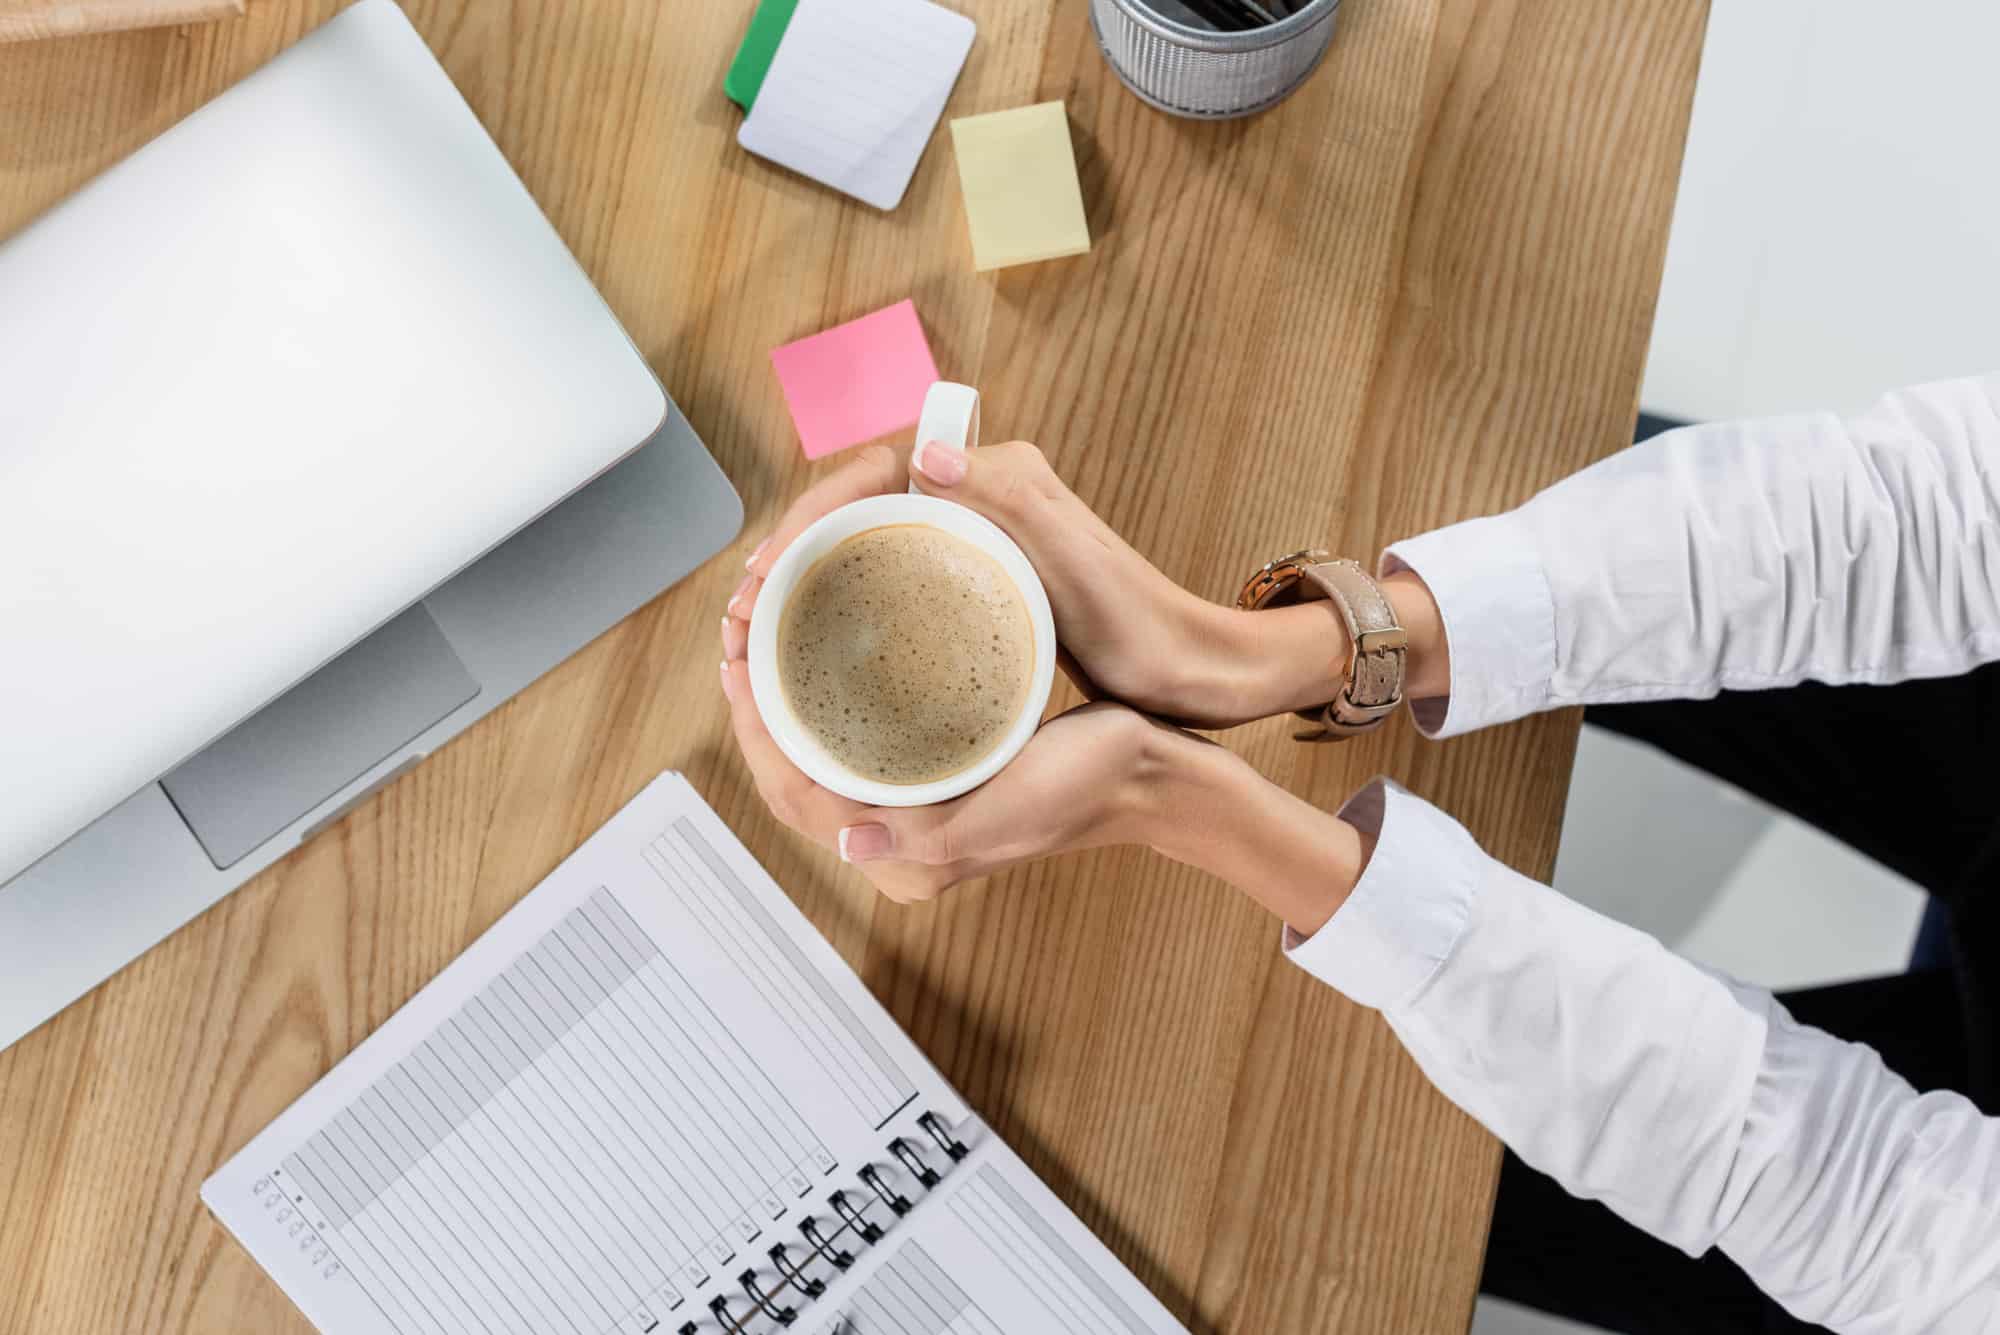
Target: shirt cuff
x=1407 y=911
x=1499 y=621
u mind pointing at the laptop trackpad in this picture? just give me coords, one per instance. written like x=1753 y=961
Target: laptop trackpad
x=303 y=747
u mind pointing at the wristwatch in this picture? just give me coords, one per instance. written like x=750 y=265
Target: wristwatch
x=1374 y=686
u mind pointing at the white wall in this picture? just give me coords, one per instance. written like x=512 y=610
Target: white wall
x=1837 y=230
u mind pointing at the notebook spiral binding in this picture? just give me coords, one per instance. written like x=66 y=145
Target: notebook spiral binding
x=777 y=1294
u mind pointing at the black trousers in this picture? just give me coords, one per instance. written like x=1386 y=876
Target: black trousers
x=1905 y=774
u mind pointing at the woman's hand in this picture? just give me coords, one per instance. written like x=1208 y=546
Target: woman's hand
x=1127 y=631
x=1091 y=777
x=1098 y=775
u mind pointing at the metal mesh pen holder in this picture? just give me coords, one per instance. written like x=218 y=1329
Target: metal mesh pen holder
x=1192 y=71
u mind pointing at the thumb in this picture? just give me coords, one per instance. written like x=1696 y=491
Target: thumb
x=939 y=465
x=966 y=834
x=899 y=834
x=997 y=480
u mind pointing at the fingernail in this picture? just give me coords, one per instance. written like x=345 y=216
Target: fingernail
x=728 y=686
x=864 y=843
x=757 y=552
x=741 y=589
x=941 y=463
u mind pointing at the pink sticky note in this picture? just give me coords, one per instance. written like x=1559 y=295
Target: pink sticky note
x=856 y=381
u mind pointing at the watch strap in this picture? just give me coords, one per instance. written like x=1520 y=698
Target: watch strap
x=1374 y=686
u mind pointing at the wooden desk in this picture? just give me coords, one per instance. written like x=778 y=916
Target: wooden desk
x=1419 y=290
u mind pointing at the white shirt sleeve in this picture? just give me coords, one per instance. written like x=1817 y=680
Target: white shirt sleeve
x=1694 y=1107
x=1739 y=555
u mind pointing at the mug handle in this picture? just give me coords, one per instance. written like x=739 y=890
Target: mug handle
x=950 y=415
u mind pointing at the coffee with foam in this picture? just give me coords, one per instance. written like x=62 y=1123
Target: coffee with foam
x=906 y=653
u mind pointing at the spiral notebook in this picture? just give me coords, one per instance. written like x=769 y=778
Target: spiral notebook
x=652 y=1099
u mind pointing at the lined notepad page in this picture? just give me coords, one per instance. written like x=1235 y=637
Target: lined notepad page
x=604 y=1116
x=992 y=1252
x=855 y=90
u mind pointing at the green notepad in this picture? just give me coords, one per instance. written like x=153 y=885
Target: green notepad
x=753 y=58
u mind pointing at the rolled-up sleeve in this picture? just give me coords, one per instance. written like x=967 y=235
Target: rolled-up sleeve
x=1499 y=619
x=1693 y=1106
x=1731 y=556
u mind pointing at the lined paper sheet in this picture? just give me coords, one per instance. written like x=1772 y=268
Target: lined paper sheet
x=652 y=1100
x=855 y=91
x=605 y=1112
x=992 y=1252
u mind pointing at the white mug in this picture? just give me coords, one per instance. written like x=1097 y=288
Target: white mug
x=950 y=415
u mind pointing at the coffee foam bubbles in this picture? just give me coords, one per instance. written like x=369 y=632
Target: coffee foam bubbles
x=906 y=652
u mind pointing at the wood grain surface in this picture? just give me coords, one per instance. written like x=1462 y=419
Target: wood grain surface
x=1419 y=290
x=28 y=20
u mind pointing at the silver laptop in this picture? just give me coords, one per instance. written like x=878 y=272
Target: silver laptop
x=315 y=446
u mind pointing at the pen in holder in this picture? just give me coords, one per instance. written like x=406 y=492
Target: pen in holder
x=1213 y=59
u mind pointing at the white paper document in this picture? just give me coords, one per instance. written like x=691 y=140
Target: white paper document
x=651 y=1098
x=855 y=91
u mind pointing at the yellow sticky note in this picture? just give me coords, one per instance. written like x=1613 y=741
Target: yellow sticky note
x=1021 y=194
